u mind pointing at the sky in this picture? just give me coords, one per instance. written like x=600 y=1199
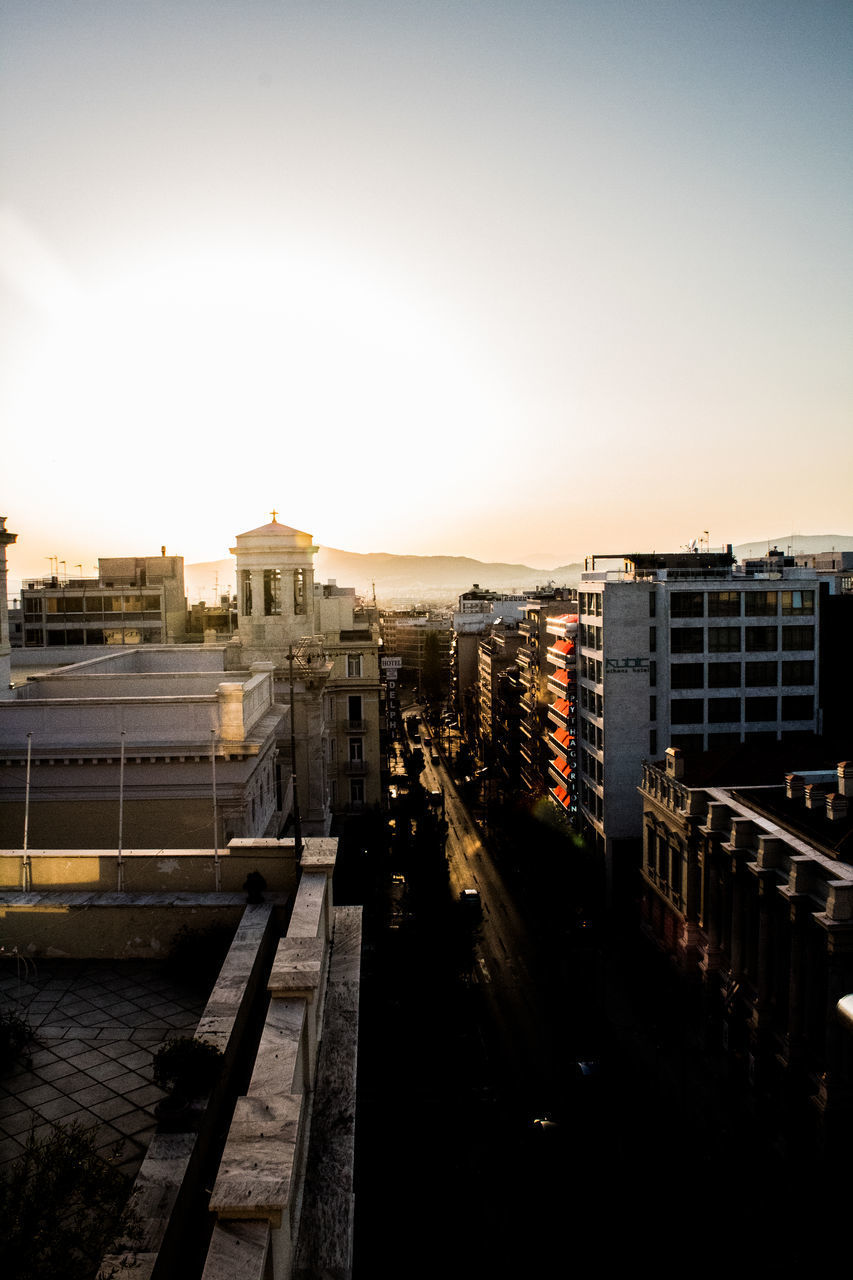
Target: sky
x=519 y=281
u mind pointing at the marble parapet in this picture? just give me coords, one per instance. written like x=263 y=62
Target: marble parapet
x=297 y=968
x=256 y=1173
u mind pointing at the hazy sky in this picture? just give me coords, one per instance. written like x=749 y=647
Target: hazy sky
x=511 y=280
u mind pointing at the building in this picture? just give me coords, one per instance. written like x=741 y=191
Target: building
x=256 y=1180
x=133 y=600
x=146 y=746
x=749 y=886
x=562 y=630
x=533 y=677
x=409 y=633
x=6 y=540
x=685 y=650
x=325 y=653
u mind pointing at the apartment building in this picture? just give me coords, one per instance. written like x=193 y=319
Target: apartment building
x=133 y=600
x=747 y=883
x=561 y=658
x=685 y=650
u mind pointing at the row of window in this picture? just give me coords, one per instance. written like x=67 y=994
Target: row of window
x=731 y=675
x=39 y=638
x=733 y=604
x=794 y=706
x=590 y=602
x=738 y=639
x=590 y=637
x=90 y=605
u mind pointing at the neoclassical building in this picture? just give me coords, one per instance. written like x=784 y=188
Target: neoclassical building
x=325 y=648
x=750 y=887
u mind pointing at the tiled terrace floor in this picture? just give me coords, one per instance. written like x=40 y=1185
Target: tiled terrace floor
x=97 y=1025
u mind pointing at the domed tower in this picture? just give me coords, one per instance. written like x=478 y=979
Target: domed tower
x=275 y=588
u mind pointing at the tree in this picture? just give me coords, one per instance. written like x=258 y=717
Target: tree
x=61 y=1207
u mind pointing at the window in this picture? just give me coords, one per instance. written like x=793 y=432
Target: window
x=797 y=602
x=354 y=708
x=797 y=706
x=724 y=639
x=723 y=738
x=246 y=593
x=653 y=638
x=687 y=741
x=724 y=604
x=687 y=675
x=797 y=638
x=687 y=604
x=761 y=639
x=686 y=640
x=687 y=711
x=798 y=671
x=356 y=791
x=653 y=708
x=723 y=710
x=761 y=604
x=653 y=672
x=653 y=600
x=761 y=708
x=356 y=750
x=723 y=675
x=761 y=673
x=653 y=742
x=354 y=665
x=272 y=592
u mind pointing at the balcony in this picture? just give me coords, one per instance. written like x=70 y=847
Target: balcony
x=356 y=768
x=356 y=726
x=562 y=712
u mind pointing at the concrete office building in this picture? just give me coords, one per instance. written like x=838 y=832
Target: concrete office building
x=133 y=600
x=685 y=650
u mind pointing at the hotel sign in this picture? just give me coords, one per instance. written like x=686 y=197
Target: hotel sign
x=620 y=666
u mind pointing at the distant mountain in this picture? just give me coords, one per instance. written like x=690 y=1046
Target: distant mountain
x=400 y=580
x=793 y=543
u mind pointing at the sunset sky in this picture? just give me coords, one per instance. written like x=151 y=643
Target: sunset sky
x=511 y=280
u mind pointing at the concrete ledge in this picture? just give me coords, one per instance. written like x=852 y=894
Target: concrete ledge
x=156 y=1191
x=297 y=968
x=238 y=1251
x=256 y=1172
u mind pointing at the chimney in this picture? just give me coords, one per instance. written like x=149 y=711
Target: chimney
x=674 y=762
x=845 y=778
x=162 y=551
x=794 y=786
x=836 y=806
x=815 y=795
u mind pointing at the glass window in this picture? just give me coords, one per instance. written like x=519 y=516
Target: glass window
x=723 y=710
x=723 y=738
x=724 y=604
x=354 y=664
x=723 y=675
x=73 y=604
x=797 y=706
x=797 y=602
x=687 y=675
x=32 y=606
x=686 y=640
x=760 y=604
x=687 y=604
x=761 y=708
x=356 y=750
x=687 y=741
x=151 y=604
x=760 y=639
x=761 y=673
x=798 y=671
x=686 y=710
x=724 y=639
x=653 y=601
x=797 y=638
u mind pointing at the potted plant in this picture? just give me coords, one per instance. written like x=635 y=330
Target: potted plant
x=186 y=1070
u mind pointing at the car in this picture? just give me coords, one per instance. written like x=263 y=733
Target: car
x=470 y=897
x=435 y=758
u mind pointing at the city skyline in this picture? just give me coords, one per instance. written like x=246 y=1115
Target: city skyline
x=505 y=281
